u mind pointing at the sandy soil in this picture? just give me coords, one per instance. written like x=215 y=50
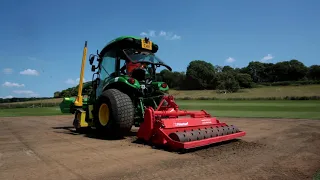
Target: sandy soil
x=47 y=148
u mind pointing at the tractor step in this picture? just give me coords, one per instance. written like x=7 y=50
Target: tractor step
x=179 y=129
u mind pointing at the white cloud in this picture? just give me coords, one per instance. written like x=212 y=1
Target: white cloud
x=11 y=84
x=151 y=33
x=6 y=97
x=169 y=35
x=74 y=82
x=267 y=58
x=26 y=92
x=175 y=37
x=143 y=34
x=230 y=60
x=164 y=34
x=31 y=72
x=7 y=71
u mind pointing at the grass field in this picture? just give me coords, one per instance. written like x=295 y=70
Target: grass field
x=317 y=176
x=220 y=108
x=44 y=111
x=260 y=109
x=262 y=92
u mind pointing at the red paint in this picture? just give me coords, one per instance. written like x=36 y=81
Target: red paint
x=159 y=123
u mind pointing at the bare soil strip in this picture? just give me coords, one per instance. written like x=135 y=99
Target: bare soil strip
x=48 y=148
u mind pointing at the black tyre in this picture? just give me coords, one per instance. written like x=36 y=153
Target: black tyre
x=115 y=113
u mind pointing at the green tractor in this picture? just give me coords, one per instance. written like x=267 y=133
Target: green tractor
x=124 y=82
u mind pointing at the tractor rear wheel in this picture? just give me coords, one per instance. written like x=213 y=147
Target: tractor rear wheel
x=115 y=113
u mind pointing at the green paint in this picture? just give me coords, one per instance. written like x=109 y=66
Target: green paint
x=158 y=85
x=121 y=79
x=122 y=38
x=66 y=106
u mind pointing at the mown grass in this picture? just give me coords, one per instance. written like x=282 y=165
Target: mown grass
x=309 y=109
x=259 y=109
x=317 y=176
x=44 y=111
x=262 y=92
x=219 y=108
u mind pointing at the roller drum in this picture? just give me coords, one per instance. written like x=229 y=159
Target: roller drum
x=205 y=133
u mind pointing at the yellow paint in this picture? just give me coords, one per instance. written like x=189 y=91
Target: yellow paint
x=146 y=45
x=79 y=99
x=104 y=114
x=82 y=118
x=90 y=111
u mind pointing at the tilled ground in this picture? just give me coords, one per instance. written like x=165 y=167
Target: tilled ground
x=47 y=148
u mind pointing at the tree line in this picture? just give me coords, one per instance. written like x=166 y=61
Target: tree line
x=201 y=75
x=15 y=99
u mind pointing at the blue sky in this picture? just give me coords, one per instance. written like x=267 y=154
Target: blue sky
x=41 y=42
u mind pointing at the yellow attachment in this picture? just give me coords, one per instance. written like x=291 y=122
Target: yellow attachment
x=146 y=45
x=81 y=116
x=79 y=99
x=104 y=114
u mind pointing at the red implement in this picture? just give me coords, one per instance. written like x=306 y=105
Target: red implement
x=167 y=126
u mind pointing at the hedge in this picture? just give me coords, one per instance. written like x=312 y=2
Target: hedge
x=290 y=83
x=257 y=98
x=39 y=105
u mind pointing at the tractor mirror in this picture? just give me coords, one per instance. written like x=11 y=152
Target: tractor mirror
x=91 y=60
x=93 y=68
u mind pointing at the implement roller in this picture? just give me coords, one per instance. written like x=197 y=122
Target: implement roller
x=125 y=91
x=178 y=129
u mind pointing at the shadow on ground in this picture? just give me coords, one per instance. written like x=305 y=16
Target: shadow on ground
x=132 y=137
x=91 y=133
x=183 y=151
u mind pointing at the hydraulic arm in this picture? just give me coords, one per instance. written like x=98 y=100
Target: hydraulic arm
x=78 y=102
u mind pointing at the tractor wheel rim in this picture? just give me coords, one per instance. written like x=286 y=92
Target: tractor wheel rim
x=104 y=114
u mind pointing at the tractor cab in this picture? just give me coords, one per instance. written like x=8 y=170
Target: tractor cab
x=129 y=64
x=142 y=64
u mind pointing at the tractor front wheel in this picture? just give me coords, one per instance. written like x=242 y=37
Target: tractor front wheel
x=115 y=114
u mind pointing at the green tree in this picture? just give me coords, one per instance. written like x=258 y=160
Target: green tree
x=256 y=70
x=314 y=72
x=56 y=94
x=200 y=75
x=227 y=69
x=297 y=70
x=227 y=81
x=244 y=80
